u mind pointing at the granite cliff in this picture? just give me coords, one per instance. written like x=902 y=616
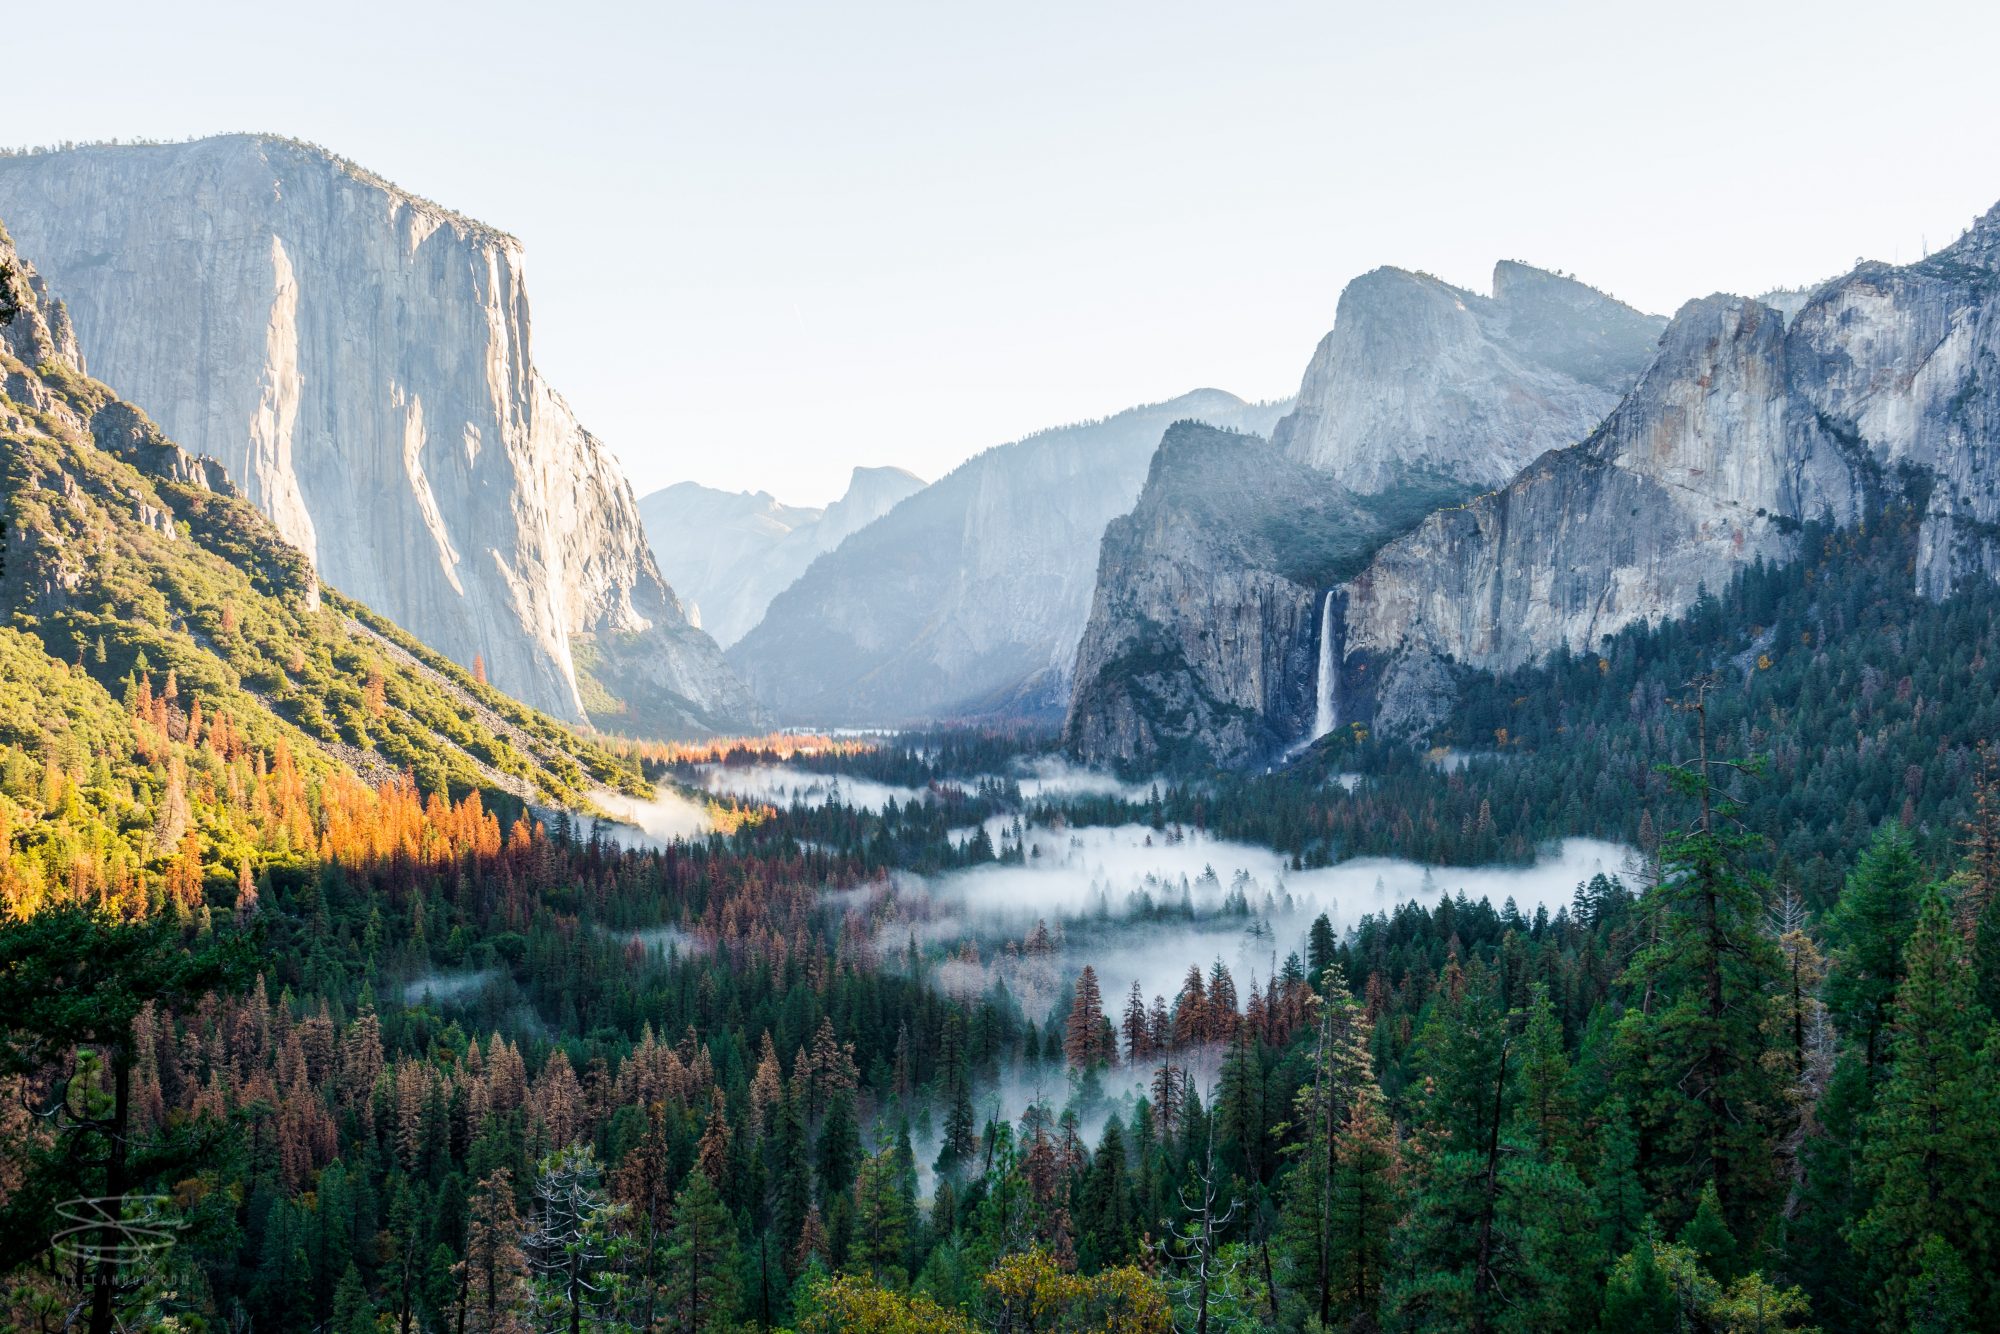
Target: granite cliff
x=360 y=360
x=130 y=566
x=1202 y=636
x=1420 y=378
x=1204 y=641
x=1743 y=428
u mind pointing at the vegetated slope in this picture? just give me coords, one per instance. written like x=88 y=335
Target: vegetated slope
x=158 y=631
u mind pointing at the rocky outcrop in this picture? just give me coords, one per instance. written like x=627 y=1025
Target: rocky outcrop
x=969 y=597
x=1204 y=637
x=1741 y=430
x=1420 y=379
x=730 y=552
x=34 y=326
x=360 y=360
x=48 y=376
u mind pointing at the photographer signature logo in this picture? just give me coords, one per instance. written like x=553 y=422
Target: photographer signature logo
x=115 y=1229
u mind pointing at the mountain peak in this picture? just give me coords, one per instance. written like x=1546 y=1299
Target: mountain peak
x=1421 y=379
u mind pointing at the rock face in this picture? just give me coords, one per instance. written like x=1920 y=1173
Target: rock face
x=730 y=552
x=1688 y=478
x=1203 y=635
x=1741 y=430
x=967 y=599
x=1422 y=379
x=359 y=359
x=1204 y=639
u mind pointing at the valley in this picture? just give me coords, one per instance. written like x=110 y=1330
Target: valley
x=1506 y=838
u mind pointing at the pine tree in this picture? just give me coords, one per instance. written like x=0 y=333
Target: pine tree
x=1708 y=1236
x=1314 y=1238
x=1083 y=1044
x=795 y=1176
x=1137 y=1027
x=1710 y=1108
x=1874 y=917
x=1619 y=1195
x=1638 y=1299
x=839 y=1148
x=353 y=1313
x=1462 y=1058
x=701 y=1289
x=1933 y=1136
x=882 y=1220
x=1494 y=1244
x=1364 y=1203
x=1543 y=1106
x=1104 y=1209
x=641 y=1184
x=1321 y=947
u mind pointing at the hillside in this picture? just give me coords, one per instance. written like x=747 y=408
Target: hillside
x=167 y=652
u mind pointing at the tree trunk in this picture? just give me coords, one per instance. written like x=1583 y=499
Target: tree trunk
x=103 y=1319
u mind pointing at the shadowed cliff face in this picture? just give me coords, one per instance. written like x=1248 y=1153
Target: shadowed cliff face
x=360 y=360
x=1202 y=638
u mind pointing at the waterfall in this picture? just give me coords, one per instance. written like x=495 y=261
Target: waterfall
x=1326 y=712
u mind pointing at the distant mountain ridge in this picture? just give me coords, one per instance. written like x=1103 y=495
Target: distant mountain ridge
x=359 y=359
x=1751 y=419
x=730 y=552
x=968 y=598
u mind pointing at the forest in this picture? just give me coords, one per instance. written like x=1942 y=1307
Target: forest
x=396 y=1056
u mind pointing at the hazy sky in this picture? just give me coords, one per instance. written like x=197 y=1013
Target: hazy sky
x=770 y=241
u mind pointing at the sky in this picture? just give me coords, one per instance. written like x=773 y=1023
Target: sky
x=767 y=242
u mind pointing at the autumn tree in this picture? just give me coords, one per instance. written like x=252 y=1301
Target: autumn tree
x=493 y=1276
x=1084 y=1032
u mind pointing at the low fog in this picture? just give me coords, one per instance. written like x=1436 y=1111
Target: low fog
x=781 y=785
x=647 y=825
x=1143 y=904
